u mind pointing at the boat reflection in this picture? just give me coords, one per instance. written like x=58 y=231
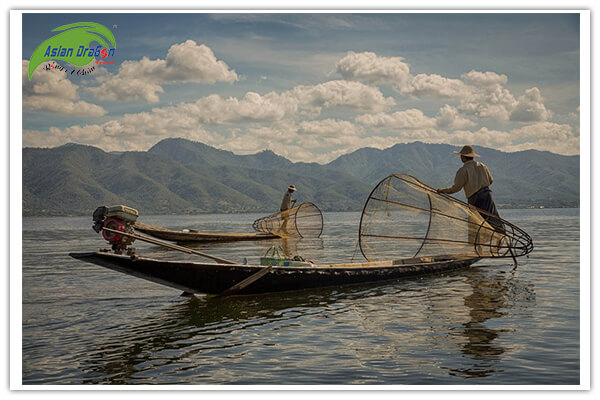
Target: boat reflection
x=192 y=336
x=199 y=326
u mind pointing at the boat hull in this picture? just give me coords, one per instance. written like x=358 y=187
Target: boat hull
x=193 y=236
x=209 y=278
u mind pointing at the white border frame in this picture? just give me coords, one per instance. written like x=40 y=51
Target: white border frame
x=15 y=199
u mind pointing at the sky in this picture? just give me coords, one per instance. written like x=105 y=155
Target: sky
x=313 y=86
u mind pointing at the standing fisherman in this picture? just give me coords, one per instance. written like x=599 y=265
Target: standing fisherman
x=475 y=178
x=286 y=204
x=287 y=201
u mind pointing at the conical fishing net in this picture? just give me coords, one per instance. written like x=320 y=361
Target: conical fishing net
x=405 y=218
x=304 y=220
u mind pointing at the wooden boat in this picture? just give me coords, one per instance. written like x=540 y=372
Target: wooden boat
x=183 y=236
x=406 y=230
x=211 y=278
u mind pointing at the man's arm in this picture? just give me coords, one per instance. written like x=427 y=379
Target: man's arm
x=489 y=175
x=459 y=183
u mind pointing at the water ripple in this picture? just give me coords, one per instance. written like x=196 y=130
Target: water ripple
x=490 y=324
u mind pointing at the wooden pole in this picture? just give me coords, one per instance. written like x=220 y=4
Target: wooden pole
x=249 y=280
x=170 y=246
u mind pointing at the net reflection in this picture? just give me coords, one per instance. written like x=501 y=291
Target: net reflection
x=493 y=296
x=467 y=311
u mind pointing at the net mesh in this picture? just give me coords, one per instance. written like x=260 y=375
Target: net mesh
x=305 y=220
x=405 y=218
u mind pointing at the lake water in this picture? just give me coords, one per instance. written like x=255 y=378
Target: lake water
x=486 y=325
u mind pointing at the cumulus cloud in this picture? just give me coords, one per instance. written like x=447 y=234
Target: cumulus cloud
x=310 y=141
x=286 y=121
x=449 y=117
x=484 y=97
x=407 y=119
x=479 y=94
x=278 y=110
x=490 y=102
x=316 y=140
x=142 y=80
x=302 y=143
x=530 y=107
x=53 y=92
x=119 y=88
x=574 y=119
x=544 y=130
x=557 y=138
x=214 y=109
x=329 y=128
x=575 y=115
x=131 y=132
x=435 y=85
x=370 y=68
x=484 y=78
x=273 y=106
x=335 y=93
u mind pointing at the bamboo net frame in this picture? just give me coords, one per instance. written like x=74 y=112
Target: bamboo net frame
x=305 y=220
x=403 y=217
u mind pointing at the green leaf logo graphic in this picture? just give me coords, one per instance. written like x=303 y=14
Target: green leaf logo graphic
x=72 y=45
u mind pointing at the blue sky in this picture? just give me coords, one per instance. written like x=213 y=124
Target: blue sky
x=312 y=87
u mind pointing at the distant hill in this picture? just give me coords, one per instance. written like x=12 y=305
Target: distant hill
x=178 y=176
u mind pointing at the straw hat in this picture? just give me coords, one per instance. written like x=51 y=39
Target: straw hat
x=292 y=188
x=467 y=151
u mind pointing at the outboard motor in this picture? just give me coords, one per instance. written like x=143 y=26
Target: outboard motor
x=118 y=218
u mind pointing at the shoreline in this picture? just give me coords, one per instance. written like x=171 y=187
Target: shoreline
x=267 y=212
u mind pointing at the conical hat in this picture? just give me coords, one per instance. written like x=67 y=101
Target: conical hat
x=467 y=151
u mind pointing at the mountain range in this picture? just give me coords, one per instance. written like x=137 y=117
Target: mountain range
x=178 y=176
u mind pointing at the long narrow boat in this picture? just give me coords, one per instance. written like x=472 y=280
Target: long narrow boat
x=406 y=230
x=211 y=278
x=183 y=236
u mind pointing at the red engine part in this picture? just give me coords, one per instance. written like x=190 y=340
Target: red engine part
x=115 y=224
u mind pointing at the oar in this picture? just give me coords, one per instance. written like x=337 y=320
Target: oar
x=170 y=246
x=249 y=280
